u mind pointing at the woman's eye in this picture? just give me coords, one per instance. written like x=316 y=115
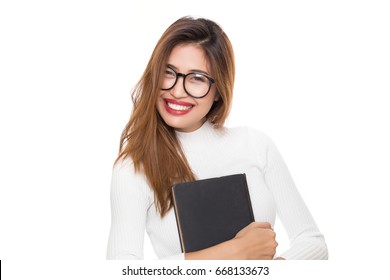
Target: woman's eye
x=199 y=78
x=169 y=73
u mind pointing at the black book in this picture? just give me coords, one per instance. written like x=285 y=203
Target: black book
x=211 y=211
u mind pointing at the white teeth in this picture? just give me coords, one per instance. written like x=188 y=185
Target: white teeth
x=178 y=107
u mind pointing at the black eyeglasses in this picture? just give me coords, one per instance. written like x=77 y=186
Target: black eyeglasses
x=196 y=85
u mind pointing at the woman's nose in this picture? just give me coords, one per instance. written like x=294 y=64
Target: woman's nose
x=178 y=90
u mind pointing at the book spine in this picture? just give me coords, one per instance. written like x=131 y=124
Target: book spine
x=178 y=220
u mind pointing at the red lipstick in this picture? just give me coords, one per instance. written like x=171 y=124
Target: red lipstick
x=173 y=101
x=176 y=107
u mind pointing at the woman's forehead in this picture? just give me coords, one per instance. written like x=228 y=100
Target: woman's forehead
x=188 y=58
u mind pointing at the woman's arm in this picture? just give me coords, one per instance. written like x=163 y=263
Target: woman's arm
x=307 y=242
x=129 y=203
x=254 y=242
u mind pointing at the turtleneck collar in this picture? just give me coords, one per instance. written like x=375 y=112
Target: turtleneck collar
x=204 y=134
x=206 y=126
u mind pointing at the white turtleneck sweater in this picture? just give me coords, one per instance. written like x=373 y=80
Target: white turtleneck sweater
x=213 y=153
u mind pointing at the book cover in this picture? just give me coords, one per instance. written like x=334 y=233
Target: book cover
x=211 y=211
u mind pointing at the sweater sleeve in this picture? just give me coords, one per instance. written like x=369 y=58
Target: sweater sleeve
x=306 y=241
x=129 y=204
x=130 y=201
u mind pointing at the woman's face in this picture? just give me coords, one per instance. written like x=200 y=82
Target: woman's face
x=176 y=107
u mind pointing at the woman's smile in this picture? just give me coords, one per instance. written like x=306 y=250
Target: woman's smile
x=176 y=107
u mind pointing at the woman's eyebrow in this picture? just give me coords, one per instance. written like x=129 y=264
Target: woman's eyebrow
x=171 y=66
x=192 y=70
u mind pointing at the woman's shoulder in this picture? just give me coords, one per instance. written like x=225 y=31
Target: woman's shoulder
x=124 y=166
x=124 y=174
x=250 y=134
x=251 y=141
x=124 y=162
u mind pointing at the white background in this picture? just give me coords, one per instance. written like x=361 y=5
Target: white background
x=314 y=75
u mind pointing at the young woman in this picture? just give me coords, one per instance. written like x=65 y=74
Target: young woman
x=176 y=134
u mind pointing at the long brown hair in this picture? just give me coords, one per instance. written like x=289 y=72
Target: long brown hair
x=151 y=144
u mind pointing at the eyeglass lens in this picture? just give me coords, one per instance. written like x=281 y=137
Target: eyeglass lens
x=195 y=84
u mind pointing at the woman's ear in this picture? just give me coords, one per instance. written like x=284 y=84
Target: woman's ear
x=217 y=96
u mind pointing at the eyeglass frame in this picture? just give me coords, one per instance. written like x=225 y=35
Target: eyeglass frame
x=178 y=74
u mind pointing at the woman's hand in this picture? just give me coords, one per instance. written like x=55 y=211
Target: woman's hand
x=254 y=242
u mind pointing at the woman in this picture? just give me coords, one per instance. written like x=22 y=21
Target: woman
x=176 y=134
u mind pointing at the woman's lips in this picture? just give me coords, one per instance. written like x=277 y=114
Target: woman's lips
x=176 y=107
